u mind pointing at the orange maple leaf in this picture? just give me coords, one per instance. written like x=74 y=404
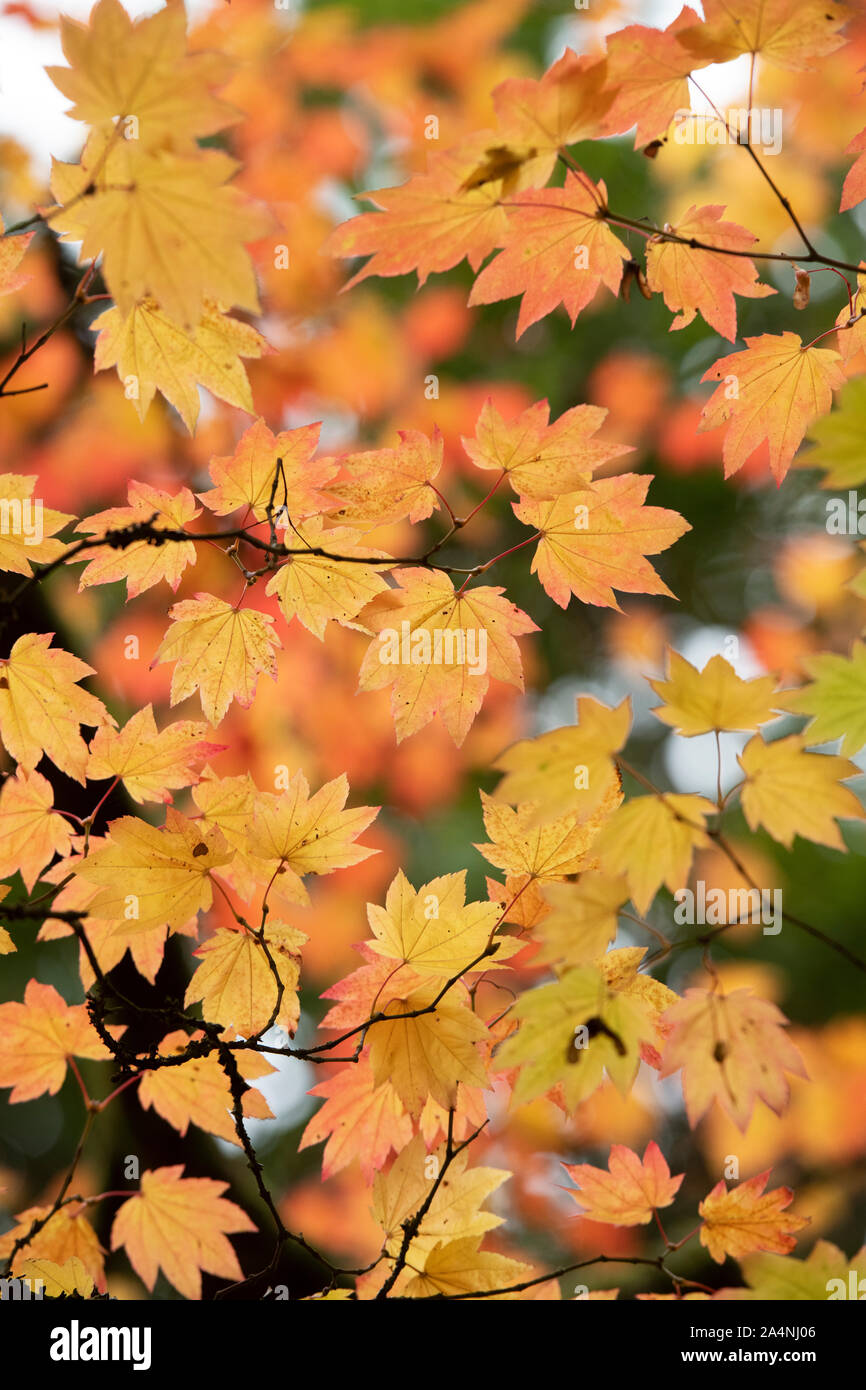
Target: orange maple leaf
x=630 y=1191
x=693 y=280
x=38 y=1037
x=747 y=1218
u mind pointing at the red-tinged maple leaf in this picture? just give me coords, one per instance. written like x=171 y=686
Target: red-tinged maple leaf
x=558 y=251
x=38 y=1037
x=380 y=486
x=536 y=118
x=747 y=1218
x=731 y=1047
x=438 y=648
x=367 y=989
x=542 y=460
x=854 y=187
x=629 y=1191
x=12 y=250
x=647 y=75
x=271 y=470
x=698 y=281
x=179 y=1225
x=151 y=764
x=358 y=1120
x=595 y=541
x=772 y=391
x=431 y=222
x=141 y=564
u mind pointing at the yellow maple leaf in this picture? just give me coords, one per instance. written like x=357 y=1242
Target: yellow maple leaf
x=380 y=486
x=67 y=1235
x=235 y=980
x=428 y=1055
x=552 y=850
x=293 y=833
x=791 y=792
x=459 y=1267
x=434 y=929
x=154 y=877
x=568 y=769
x=198 y=1091
x=27 y=526
x=66 y=1280
x=315 y=589
x=179 y=1225
x=220 y=651
x=438 y=648
x=651 y=839
x=583 y=918
x=785 y=37
x=150 y=763
x=747 y=1218
x=153 y=353
x=141 y=564
x=122 y=68
x=455 y=1210
x=167 y=225
x=697 y=702
x=42 y=706
x=31 y=831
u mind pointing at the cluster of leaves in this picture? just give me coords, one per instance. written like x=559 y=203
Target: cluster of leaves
x=421 y=1032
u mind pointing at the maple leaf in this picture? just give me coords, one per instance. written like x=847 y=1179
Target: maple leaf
x=154 y=877
x=42 y=706
x=430 y=222
x=582 y=919
x=28 y=527
x=439 y=647
x=235 y=981
x=358 y=1120
x=629 y=1190
x=552 y=850
x=119 y=67
x=167 y=226
x=434 y=929
x=558 y=251
x=151 y=764
x=316 y=589
x=770 y=28
x=31 y=832
x=67 y=1235
x=716 y=698
x=854 y=187
x=153 y=353
x=69 y=1280
x=651 y=839
x=179 y=1225
x=198 y=1091
x=595 y=541
x=782 y=1277
x=364 y=991
x=38 y=1037
x=731 y=1047
x=536 y=118
x=647 y=75
x=747 y=1218
x=835 y=698
x=380 y=486
x=772 y=391
x=271 y=471
x=12 y=250
x=220 y=651
x=459 y=1267
x=837 y=436
x=550 y=1049
x=791 y=792
x=140 y=563
x=694 y=280
x=568 y=769
x=455 y=1210
x=296 y=834
x=428 y=1055
x=542 y=460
